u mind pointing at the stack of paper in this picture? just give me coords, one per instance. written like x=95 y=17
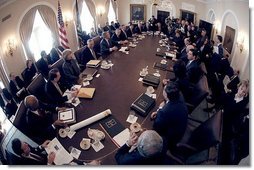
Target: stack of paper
x=62 y=156
x=67 y=116
x=86 y=93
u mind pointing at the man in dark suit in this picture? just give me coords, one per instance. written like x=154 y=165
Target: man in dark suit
x=219 y=45
x=29 y=72
x=44 y=64
x=16 y=87
x=117 y=37
x=54 y=56
x=41 y=124
x=193 y=70
x=138 y=29
x=70 y=67
x=54 y=90
x=117 y=24
x=88 y=53
x=7 y=103
x=107 y=45
x=123 y=33
x=201 y=39
x=130 y=30
x=112 y=26
x=170 y=120
x=149 y=150
x=30 y=155
x=100 y=29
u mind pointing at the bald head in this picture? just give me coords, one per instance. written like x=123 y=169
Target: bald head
x=189 y=47
x=31 y=102
x=149 y=143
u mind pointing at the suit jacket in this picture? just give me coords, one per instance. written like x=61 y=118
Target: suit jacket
x=42 y=66
x=123 y=36
x=220 y=49
x=54 y=56
x=39 y=128
x=53 y=94
x=29 y=74
x=123 y=157
x=171 y=121
x=10 y=108
x=224 y=67
x=100 y=30
x=138 y=30
x=117 y=25
x=71 y=71
x=193 y=72
x=116 y=38
x=129 y=32
x=13 y=87
x=105 y=46
x=38 y=151
x=87 y=56
x=112 y=27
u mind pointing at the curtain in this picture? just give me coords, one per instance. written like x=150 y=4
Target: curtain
x=25 y=31
x=92 y=10
x=106 y=10
x=114 y=4
x=3 y=76
x=49 y=17
x=80 y=6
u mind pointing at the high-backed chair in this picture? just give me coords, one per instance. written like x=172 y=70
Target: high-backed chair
x=97 y=47
x=79 y=56
x=12 y=159
x=206 y=135
x=199 y=93
x=20 y=118
x=37 y=88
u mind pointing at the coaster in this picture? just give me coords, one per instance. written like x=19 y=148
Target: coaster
x=135 y=127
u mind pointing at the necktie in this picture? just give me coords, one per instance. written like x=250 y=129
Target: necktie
x=58 y=88
x=188 y=64
x=93 y=54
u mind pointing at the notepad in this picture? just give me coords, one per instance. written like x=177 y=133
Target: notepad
x=67 y=116
x=93 y=63
x=86 y=93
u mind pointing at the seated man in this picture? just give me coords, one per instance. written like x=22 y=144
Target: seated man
x=44 y=64
x=70 y=67
x=130 y=31
x=54 y=90
x=107 y=45
x=123 y=33
x=138 y=29
x=41 y=125
x=54 y=54
x=88 y=53
x=16 y=87
x=117 y=37
x=7 y=103
x=149 y=150
x=170 y=120
x=32 y=156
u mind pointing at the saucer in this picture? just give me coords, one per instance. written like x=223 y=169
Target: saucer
x=106 y=67
x=88 y=79
x=156 y=74
x=85 y=144
x=135 y=127
x=143 y=74
x=62 y=133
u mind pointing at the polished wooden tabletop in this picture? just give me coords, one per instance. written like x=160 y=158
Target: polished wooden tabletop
x=116 y=89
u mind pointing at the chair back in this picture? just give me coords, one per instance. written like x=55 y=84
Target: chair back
x=208 y=134
x=97 y=41
x=12 y=159
x=37 y=88
x=20 y=116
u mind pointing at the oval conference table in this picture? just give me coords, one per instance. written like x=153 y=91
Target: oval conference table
x=116 y=89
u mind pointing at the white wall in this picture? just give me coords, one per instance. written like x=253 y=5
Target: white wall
x=234 y=13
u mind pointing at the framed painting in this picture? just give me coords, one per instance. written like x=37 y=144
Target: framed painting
x=187 y=15
x=229 y=39
x=137 y=12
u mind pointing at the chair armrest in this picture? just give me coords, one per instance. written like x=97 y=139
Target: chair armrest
x=183 y=146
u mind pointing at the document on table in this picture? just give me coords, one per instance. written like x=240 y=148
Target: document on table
x=62 y=156
x=122 y=137
x=123 y=49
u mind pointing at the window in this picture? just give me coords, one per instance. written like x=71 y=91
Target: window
x=41 y=38
x=111 y=13
x=1 y=84
x=86 y=19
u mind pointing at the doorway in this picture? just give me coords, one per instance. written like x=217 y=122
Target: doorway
x=162 y=15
